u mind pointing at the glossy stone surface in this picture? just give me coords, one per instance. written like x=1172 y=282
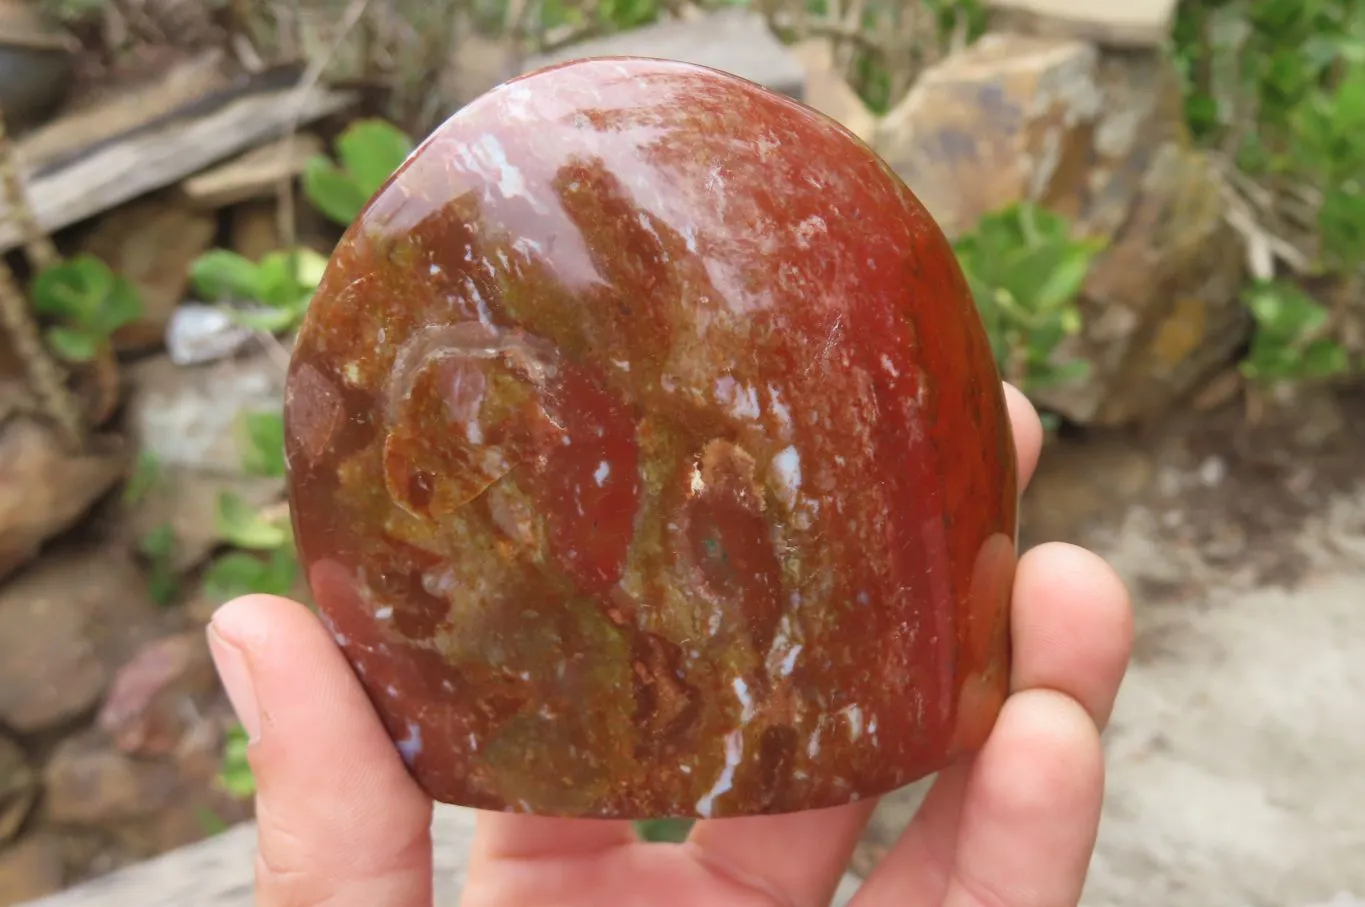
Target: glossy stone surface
x=648 y=457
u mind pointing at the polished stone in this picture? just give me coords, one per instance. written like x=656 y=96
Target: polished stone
x=648 y=457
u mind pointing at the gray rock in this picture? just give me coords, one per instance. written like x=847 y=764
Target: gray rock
x=197 y=334
x=735 y=41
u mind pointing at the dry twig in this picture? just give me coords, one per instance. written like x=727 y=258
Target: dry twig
x=46 y=379
x=308 y=83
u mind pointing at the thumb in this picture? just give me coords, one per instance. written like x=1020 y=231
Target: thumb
x=340 y=821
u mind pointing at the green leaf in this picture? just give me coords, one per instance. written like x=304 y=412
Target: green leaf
x=209 y=821
x=669 y=831
x=1283 y=312
x=332 y=191
x=1025 y=272
x=310 y=267
x=370 y=151
x=158 y=543
x=73 y=344
x=1067 y=276
x=235 y=776
x=72 y=290
x=281 y=572
x=270 y=321
x=122 y=305
x=279 y=284
x=145 y=473
x=264 y=454
x=238 y=573
x=237 y=523
x=221 y=274
x=158 y=547
x=1053 y=375
x=1342 y=222
x=232 y=575
x=1323 y=359
x=85 y=294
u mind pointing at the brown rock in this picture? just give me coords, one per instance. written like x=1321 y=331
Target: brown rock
x=90 y=783
x=1099 y=138
x=733 y=40
x=44 y=488
x=1006 y=120
x=143 y=806
x=159 y=696
x=31 y=868
x=197 y=809
x=152 y=243
x=1160 y=310
x=66 y=623
x=1016 y=118
x=18 y=789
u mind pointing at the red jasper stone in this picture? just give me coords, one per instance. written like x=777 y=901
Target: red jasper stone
x=648 y=457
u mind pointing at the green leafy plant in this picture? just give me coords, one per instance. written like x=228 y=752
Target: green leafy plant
x=235 y=775
x=1278 y=86
x=243 y=526
x=89 y=302
x=262 y=556
x=1329 y=145
x=282 y=284
x=668 y=831
x=1026 y=272
x=1249 y=65
x=1291 y=341
x=368 y=152
x=238 y=573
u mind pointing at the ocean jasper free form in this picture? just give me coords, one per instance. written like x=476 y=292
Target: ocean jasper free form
x=648 y=457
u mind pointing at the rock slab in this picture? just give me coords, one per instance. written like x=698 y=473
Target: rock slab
x=1098 y=137
x=1126 y=24
x=731 y=40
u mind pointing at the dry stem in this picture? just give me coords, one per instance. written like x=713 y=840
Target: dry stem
x=46 y=379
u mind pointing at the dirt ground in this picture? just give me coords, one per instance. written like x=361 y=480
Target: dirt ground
x=1236 y=751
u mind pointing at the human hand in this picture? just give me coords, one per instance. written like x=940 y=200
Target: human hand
x=342 y=823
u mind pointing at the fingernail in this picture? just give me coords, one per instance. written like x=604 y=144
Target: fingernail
x=236 y=677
